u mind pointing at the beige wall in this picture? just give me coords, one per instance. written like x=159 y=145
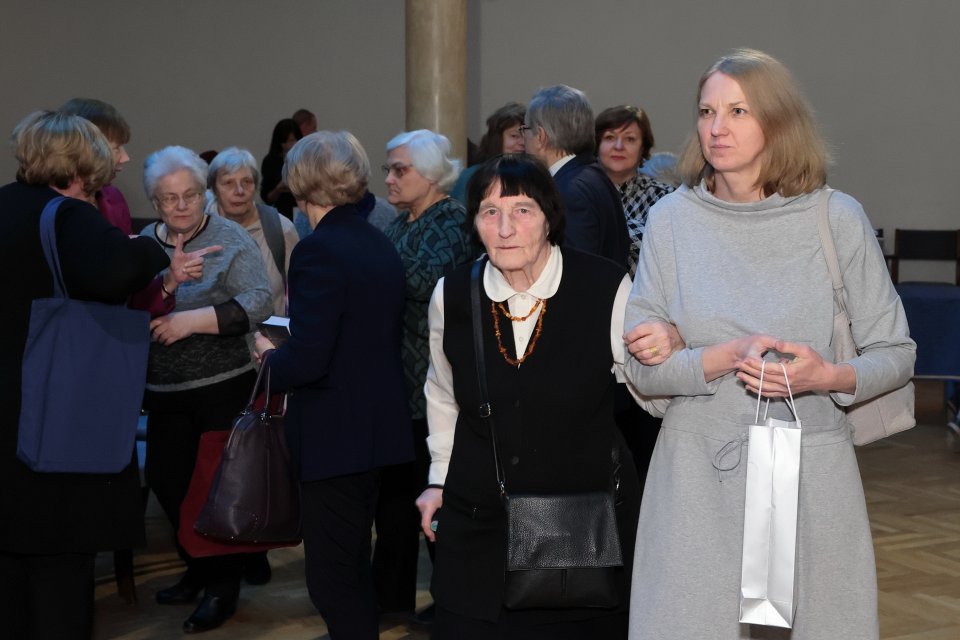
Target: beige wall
x=207 y=74
x=883 y=75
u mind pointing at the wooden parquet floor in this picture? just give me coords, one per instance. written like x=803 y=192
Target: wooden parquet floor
x=279 y=610
x=912 y=483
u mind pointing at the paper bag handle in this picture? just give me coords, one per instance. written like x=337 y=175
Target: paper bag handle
x=789 y=401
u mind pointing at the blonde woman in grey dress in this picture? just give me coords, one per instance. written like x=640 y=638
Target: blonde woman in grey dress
x=734 y=259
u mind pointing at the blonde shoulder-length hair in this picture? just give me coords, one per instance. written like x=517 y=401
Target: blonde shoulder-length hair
x=54 y=148
x=795 y=157
x=327 y=168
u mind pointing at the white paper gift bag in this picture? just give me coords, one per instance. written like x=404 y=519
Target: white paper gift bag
x=770 y=519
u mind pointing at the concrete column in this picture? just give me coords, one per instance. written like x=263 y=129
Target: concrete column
x=436 y=73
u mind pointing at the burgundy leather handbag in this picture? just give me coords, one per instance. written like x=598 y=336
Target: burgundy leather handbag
x=255 y=494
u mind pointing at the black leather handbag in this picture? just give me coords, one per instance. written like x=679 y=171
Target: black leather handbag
x=255 y=495
x=562 y=549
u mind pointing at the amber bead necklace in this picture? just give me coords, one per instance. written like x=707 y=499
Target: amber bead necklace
x=510 y=316
x=542 y=305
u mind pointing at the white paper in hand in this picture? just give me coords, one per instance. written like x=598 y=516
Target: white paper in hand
x=276 y=329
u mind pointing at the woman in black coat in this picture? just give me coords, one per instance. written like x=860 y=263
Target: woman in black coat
x=347 y=416
x=53 y=523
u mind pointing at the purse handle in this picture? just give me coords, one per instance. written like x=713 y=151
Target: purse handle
x=830 y=248
x=789 y=401
x=48 y=240
x=264 y=367
x=485 y=409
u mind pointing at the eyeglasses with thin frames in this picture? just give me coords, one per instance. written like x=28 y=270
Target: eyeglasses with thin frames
x=171 y=200
x=397 y=169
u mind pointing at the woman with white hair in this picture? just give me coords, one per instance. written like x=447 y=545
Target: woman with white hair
x=430 y=238
x=200 y=371
x=234 y=180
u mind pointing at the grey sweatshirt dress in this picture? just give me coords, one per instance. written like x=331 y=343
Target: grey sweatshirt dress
x=719 y=271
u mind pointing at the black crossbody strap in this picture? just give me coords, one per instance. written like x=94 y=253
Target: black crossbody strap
x=485 y=408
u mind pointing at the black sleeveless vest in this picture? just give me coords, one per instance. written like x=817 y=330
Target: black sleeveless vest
x=555 y=427
x=554 y=413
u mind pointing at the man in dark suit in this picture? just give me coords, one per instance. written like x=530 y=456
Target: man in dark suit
x=559 y=131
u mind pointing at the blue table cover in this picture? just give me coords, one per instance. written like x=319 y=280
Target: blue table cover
x=933 y=311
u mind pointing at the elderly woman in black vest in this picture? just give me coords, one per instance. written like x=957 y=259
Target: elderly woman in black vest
x=552 y=321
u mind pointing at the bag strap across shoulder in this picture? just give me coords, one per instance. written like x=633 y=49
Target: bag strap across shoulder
x=829 y=247
x=48 y=240
x=273 y=233
x=485 y=409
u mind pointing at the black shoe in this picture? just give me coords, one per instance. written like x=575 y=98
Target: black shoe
x=425 y=617
x=395 y=616
x=212 y=612
x=256 y=569
x=184 y=592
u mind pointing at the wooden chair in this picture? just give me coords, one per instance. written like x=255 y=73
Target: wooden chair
x=922 y=244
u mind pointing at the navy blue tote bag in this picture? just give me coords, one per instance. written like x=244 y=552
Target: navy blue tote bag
x=84 y=371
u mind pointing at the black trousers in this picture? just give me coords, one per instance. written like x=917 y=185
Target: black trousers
x=47 y=596
x=513 y=626
x=337 y=514
x=640 y=431
x=174 y=425
x=397 y=550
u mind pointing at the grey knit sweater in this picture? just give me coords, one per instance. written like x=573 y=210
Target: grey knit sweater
x=723 y=270
x=237 y=274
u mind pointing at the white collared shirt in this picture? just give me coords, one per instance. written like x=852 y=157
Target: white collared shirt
x=556 y=166
x=442 y=408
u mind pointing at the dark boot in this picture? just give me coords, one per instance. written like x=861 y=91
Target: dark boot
x=212 y=612
x=184 y=592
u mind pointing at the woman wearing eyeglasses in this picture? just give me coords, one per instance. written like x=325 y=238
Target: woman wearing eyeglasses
x=200 y=370
x=430 y=238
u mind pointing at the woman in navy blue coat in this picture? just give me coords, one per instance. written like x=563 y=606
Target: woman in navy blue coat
x=347 y=412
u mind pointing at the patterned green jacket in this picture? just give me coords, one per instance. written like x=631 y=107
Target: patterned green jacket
x=430 y=247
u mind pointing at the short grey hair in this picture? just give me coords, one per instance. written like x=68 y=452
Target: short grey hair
x=566 y=118
x=231 y=160
x=162 y=163
x=430 y=156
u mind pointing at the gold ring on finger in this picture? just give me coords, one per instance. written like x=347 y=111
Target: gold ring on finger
x=654 y=350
